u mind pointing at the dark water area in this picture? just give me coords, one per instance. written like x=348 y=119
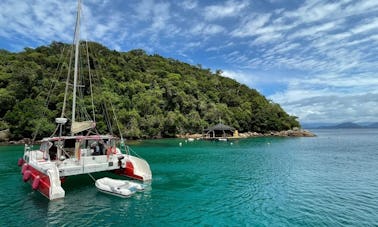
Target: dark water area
x=328 y=180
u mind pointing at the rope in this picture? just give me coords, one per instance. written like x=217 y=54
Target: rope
x=92 y=177
x=132 y=151
x=57 y=74
x=116 y=120
x=90 y=82
x=107 y=118
x=67 y=81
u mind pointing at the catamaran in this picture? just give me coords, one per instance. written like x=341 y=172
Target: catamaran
x=82 y=151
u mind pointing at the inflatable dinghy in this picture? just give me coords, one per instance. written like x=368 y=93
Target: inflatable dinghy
x=121 y=188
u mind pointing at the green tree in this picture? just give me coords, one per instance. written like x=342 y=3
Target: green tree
x=153 y=96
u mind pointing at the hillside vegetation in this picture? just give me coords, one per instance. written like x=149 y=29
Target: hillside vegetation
x=153 y=96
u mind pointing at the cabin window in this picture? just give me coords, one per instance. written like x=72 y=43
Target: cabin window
x=45 y=146
x=53 y=152
x=69 y=143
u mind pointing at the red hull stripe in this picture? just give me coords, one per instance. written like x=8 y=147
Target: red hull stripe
x=44 y=181
x=129 y=171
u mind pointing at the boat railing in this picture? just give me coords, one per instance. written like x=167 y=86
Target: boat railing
x=130 y=151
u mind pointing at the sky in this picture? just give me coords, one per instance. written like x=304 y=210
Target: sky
x=318 y=59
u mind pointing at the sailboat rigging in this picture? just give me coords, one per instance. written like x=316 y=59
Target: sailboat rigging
x=82 y=151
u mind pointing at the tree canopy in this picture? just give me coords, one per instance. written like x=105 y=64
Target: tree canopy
x=153 y=96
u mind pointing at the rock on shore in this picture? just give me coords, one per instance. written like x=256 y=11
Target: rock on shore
x=287 y=133
x=4 y=135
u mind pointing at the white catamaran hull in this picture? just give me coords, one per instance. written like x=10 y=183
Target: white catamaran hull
x=45 y=175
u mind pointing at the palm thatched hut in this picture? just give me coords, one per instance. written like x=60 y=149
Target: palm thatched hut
x=219 y=131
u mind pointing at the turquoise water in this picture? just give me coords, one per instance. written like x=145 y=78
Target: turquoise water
x=329 y=180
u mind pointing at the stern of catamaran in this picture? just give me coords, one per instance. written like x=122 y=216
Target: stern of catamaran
x=133 y=166
x=42 y=174
x=137 y=168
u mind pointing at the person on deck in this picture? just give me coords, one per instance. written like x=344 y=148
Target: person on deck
x=95 y=148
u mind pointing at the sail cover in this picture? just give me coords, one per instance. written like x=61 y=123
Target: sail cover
x=81 y=126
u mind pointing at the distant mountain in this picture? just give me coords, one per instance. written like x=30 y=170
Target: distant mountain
x=315 y=125
x=373 y=125
x=349 y=125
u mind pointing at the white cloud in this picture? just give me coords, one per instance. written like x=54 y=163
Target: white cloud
x=325 y=108
x=251 y=26
x=315 y=11
x=161 y=15
x=189 y=4
x=366 y=26
x=266 y=38
x=314 y=37
x=144 y=9
x=156 y=13
x=240 y=76
x=206 y=29
x=38 y=21
x=315 y=30
x=46 y=21
x=360 y=7
x=228 y=9
x=331 y=98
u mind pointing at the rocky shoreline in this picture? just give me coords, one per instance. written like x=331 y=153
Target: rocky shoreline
x=4 y=135
x=286 y=133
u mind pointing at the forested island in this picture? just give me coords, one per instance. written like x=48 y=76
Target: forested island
x=153 y=96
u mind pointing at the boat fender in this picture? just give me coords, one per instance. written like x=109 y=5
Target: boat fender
x=20 y=162
x=111 y=150
x=36 y=183
x=24 y=168
x=27 y=175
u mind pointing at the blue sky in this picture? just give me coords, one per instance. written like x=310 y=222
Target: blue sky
x=318 y=59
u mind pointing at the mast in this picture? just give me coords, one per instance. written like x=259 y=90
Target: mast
x=77 y=42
